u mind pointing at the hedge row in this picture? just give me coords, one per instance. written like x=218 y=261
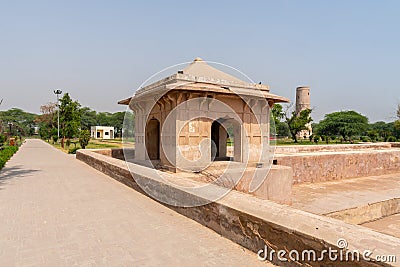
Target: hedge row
x=6 y=154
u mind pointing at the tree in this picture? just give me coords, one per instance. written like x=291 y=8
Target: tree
x=383 y=129
x=396 y=126
x=398 y=111
x=47 y=120
x=84 y=138
x=128 y=128
x=22 y=121
x=88 y=118
x=117 y=121
x=343 y=123
x=70 y=117
x=297 y=122
x=277 y=113
x=373 y=134
x=104 y=118
x=49 y=114
x=281 y=128
x=44 y=132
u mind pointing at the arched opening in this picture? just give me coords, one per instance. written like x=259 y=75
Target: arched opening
x=153 y=139
x=224 y=132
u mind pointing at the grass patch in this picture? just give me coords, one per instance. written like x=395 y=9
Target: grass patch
x=6 y=153
x=93 y=144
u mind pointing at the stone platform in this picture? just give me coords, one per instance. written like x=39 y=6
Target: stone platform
x=389 y=225
x=372 y=202
x=277 y=185
x=328 y=197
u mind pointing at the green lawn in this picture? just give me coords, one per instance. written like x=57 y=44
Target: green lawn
x=93 y=144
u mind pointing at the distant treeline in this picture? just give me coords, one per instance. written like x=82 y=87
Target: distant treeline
x=20 y=122
x=341 y=126
x=24 y=123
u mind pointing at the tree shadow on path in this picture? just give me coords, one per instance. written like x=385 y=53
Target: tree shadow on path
x=14 y=172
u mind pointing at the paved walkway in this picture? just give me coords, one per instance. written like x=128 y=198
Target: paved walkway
x=57 y=211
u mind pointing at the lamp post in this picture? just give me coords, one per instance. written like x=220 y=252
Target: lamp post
x=58 y=92
x=10 y=124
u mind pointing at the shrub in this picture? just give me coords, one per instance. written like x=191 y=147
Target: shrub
x=84 y=138
x=365 y=139
x=391 y=139
x=327 y=139
x=3 y=139
x=6 y=154
x=373 y=135
x=73 y=150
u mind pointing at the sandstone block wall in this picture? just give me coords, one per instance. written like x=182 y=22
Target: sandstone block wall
x=331 y=148
x=118 y=153
x=321 y=167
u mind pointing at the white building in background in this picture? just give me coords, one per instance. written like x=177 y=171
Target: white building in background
x=102 y=132
x=36 y=130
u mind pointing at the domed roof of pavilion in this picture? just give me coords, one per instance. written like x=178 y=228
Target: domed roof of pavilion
x=200 y=76
x=200 y=68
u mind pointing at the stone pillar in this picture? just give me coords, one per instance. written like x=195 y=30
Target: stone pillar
x=223 y=138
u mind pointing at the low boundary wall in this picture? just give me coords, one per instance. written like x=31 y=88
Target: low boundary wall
x=395 y=144
x=255 y=223
x=331 y=148
x=327 y=166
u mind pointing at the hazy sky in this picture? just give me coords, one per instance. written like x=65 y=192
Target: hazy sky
x=101 y=51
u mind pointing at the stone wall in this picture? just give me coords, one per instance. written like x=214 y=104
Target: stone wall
x=331 y=148
x=255 y=223
x=395 y=144
x=324 y=166
x=118 y=153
